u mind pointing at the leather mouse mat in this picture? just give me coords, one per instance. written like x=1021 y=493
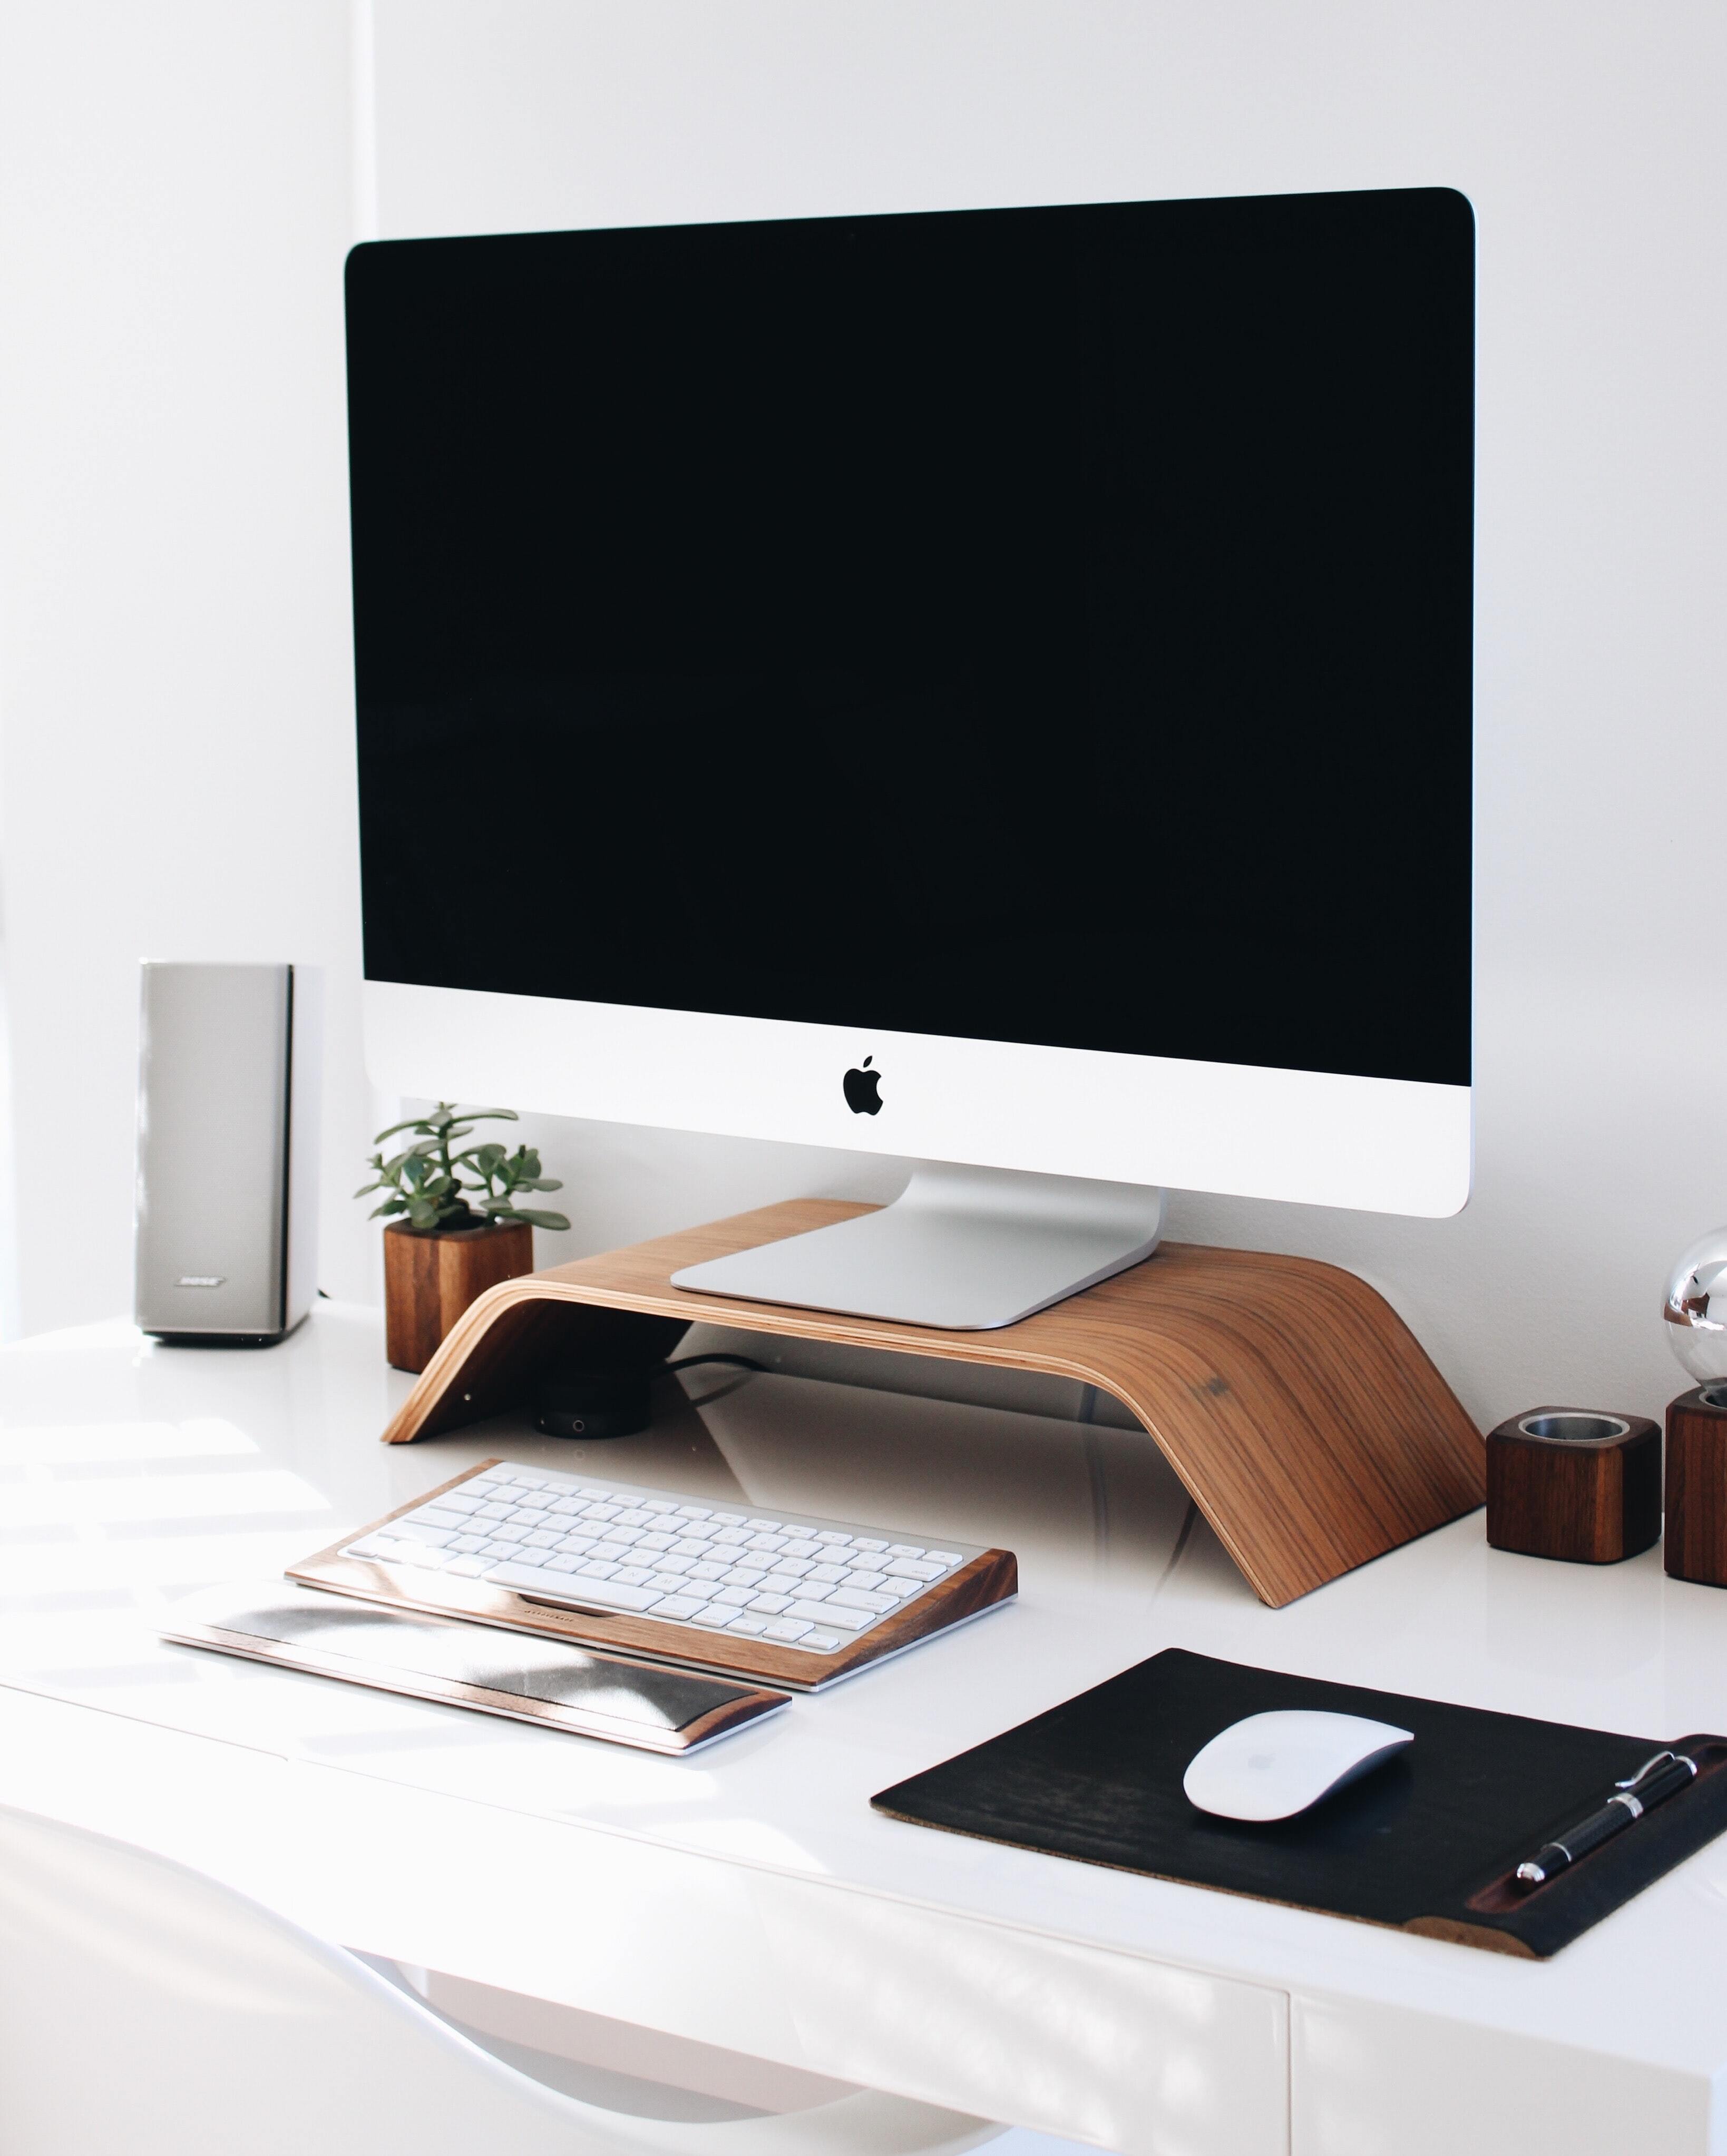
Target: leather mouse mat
x=1426 y=1843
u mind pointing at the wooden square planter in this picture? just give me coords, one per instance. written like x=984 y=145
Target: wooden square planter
x=429 y=1280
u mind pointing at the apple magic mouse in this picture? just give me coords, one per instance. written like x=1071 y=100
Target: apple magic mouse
x=1272 y=1766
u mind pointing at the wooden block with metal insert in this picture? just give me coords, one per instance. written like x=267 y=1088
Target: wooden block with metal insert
x=1574 y=1483
x=1697 y=1486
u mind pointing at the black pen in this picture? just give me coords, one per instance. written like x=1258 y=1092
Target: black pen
x=1653 y=1783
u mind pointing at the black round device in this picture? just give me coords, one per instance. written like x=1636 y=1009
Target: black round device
x=589 y=1403
x=586 y=1401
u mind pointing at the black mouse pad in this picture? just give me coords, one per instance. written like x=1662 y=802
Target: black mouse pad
x=1427 y=1842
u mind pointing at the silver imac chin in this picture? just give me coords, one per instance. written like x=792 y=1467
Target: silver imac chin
x=1040 y=1170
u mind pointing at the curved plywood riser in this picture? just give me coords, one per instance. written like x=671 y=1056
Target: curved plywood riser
x=1300 y=1411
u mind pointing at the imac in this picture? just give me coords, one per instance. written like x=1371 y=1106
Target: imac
x=991 y=686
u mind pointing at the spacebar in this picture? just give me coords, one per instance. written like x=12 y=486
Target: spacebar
x=565 y=1586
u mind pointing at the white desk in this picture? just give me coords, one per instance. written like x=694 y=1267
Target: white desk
x=748 y=1897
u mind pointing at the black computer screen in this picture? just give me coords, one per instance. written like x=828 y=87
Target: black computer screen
x=1042 y=625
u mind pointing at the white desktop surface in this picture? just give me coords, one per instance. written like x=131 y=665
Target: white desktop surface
x=748 y=1897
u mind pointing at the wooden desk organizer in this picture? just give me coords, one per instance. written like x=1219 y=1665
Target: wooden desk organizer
x=1297 y=1408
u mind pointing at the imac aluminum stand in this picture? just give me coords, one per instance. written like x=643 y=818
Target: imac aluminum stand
x=965 y=1248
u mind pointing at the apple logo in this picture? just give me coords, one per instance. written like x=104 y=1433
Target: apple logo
x=863 y=1093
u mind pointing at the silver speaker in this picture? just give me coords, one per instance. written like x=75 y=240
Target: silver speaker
x=229 y=1069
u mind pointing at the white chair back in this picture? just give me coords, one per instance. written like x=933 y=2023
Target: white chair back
x=147 y=2010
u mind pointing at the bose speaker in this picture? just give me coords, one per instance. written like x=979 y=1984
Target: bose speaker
x=229 y=1069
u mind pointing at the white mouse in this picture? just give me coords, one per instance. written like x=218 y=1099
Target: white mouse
x=1272 y=1766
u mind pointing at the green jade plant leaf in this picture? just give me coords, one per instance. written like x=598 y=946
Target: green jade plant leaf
x=426 y=1181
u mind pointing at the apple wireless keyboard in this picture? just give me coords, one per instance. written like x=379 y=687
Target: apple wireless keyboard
x=743 y=1589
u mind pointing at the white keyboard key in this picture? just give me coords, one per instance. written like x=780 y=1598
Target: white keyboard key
x=494 y=1512
x=636 y=1518
x=418 y=1553
x=792 y=1567
x=412 y=1531
x=804 y=1547
x=693 y=1512
x=441 y=1515
x=601 y=1594
x=903 y=1549
x=669 y=1583
x=621 y=1532
x=601 y=1511
x=678 y=1606
x=566 y=1505
x=745 y=1575
x=597 y=1569
x=731 y=1537
x=787 y=1629
x=863 y=1576
x=466 y=1567
x=748 y=1625
x=812 y=1590
x=853 y=1598
x=781 y=1582
x=655 y=1541
x=658 y=1505
x=669 y=1561
x=633 y=1575
x=772 y=1603
x=834 y=1537
x=576 y=1545
x=824 y=1643
x=734 y=1598
x=689 y=1546
x=824 y=1612
x=545 y=1538
x=727 y=1519
x=508 y=1532
x=864 y=1543
x=708 y=1570
x=829 y=1574
x=373 y=1546
x=530 y=1516
x=766 y=1542
x=906 y=1568
x=765 y=1527
x=466 y=1545
x=943 y=1557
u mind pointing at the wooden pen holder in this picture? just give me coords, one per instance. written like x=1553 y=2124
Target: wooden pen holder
x=1697 y=1486
x=1574 y=1483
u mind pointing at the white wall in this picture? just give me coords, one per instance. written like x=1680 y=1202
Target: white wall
x=176 y=760
x=1588 y=137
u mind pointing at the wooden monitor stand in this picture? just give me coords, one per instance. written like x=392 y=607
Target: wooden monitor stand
x=1295 y=1405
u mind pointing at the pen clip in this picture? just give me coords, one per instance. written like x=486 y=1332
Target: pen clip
x=1648 y=1767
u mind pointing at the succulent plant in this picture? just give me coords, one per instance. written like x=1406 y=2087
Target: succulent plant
x=426 y=1179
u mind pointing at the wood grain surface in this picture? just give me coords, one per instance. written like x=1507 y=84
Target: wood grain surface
x=1695 y=1546
x=1587 y=1504
x=428 y=1280
x=1299 y=1410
